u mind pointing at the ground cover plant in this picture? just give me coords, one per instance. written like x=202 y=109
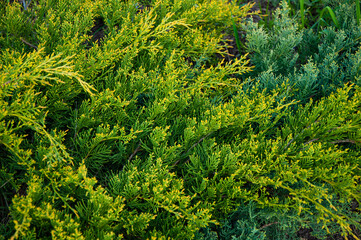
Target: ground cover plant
x=121 y=120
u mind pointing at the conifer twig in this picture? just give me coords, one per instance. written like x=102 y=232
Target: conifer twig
x=193 y=146
x=344 y=141
x=291 y=141
x=199 y=141
x=333 y=142
x=6 y=83
x=5 y=183
x=313 y=140
x=29 y=44
x=135 y=152
x=267 y=225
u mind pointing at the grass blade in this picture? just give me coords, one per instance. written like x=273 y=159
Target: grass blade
x=235 y=31
x=332 y=14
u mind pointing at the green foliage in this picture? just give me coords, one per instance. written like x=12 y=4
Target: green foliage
x=313 y=64
x=321 y=12
x=119 y=120
x=274 y=50
x=250 y=222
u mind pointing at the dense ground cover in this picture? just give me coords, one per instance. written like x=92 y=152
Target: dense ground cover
x=125 y=119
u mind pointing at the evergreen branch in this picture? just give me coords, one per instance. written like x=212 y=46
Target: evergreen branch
x=269 y=224
x=333 y=142
x=293 y=139
x=15 y=152
x=62 y=199
x=345 y=141
x=6 y=83
x=199 y=141
x=325 y=211
x=5 y=183
x=29 y=44
x=313 y=140
x=193 y=146
x=135 y=151
x=19 y=229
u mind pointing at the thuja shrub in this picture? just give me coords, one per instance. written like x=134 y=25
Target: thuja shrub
x=118 y=121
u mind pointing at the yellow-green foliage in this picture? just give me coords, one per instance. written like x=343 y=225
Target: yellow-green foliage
x=145 y=133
